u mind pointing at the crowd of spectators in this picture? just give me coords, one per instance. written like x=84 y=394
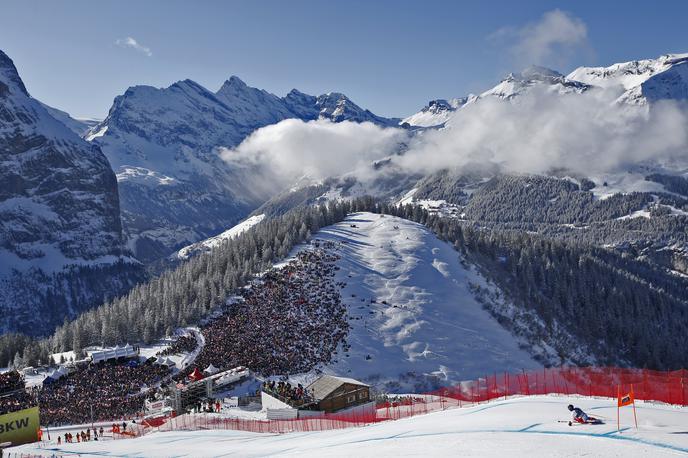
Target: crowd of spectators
x=18 y=400
x=285 y=391
x=183 y=344
x=13 y=395
x=11 y=381
x=107 y=390
x=287 y=321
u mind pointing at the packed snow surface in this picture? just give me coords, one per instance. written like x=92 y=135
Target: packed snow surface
x=424 y=321
x=530 y=427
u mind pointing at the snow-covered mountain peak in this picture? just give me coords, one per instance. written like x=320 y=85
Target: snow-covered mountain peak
x=516 y=84
x=9 y=75
x=235 y=81
x=295 y=94
x=338 y=107
x=627 y=74
x=643 y=81
x=251 y=106
x=437 y=112
x=168 y=137
x=235 y=85
x=190 y=86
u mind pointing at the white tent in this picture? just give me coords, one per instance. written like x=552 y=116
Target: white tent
x=160 y=360
x=211 y=370
x=56 y=374
x=168 y=362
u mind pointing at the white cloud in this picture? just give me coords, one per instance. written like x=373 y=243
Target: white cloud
x=292 y=149
x=130 y=42
x=583 y=133
x=552 y=40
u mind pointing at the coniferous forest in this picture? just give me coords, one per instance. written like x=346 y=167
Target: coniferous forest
x=562 y=295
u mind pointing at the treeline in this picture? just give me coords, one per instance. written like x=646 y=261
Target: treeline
x=626 y=311
x=537 y=199
x=672 y=183
x=184 y=295
x=559 y=208
x=566 y=295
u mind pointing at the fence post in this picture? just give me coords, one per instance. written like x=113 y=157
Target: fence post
x=506 y=385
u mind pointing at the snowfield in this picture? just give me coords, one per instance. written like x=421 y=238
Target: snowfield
x=431 y=328
x=528 y=426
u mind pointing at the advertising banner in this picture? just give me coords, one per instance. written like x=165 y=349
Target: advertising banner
x=20 y=427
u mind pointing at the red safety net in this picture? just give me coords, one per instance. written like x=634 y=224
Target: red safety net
x=668 y=387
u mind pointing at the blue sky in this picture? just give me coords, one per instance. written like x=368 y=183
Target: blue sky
x=388 y=56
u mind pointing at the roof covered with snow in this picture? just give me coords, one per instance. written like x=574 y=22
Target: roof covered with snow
x=325 y=385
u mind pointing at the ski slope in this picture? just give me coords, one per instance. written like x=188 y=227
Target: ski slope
x=432 y=330
x=514 y=427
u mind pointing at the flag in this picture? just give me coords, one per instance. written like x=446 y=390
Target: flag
x=626 y=400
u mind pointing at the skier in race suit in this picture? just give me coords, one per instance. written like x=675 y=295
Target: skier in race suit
x=579 y=416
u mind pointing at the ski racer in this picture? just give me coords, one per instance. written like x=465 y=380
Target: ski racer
x=578 y=416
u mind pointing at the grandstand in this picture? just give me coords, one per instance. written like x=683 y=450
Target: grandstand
x=185 y=397
x=13 y=393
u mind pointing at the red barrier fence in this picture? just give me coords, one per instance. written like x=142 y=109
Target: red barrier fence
x=318 y=422
x=668 y=387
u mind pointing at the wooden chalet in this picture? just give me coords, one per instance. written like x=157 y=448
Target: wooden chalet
x=332 y=393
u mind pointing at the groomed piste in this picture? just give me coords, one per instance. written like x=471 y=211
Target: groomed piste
x=516 y=426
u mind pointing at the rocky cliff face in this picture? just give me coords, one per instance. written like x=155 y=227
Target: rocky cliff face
x=61 y=247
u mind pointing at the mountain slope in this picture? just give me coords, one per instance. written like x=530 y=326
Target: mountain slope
x=425 y=328
x=436 y=112
x=519 y=84
x=209 y=244
x=174 y=187
x=642 y=81
x=515 y=85
x=80 y=127
x=639 y=81
x=61 y=247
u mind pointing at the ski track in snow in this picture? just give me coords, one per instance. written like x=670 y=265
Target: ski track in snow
x=514 y=427
x=431 y=324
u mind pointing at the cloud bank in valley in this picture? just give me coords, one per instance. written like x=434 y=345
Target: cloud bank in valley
x=293 y=149
x=584 y=133
x=535 y=133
